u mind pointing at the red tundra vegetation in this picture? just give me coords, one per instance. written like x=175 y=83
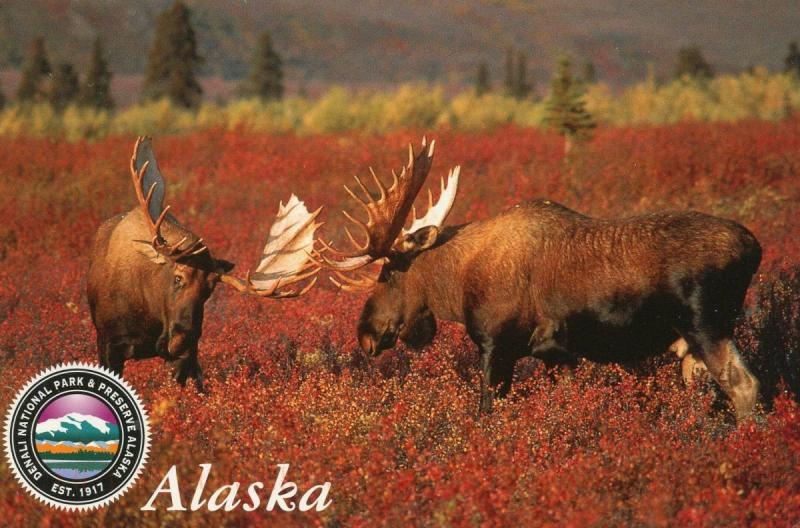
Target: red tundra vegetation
x=398 y=437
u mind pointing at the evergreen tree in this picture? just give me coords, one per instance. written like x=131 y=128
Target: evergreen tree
x=96 y=88
x=566 y=109
x=692 y=63
x=589 y=75
x=266 y=72
x=510 y=77
x=64 y=89
x=792 y=61
x=174 y=60
x=482 y=82
x=302 y=87
x=35 y=67
x=522 y=88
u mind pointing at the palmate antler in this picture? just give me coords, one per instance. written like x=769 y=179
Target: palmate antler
x=387 y=215
x=288 y=257
x=437 y=213
x=145 y=174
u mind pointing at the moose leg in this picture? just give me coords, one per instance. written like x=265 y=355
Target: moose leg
x=197 y=375
x=729 y=370
x=110 y=354
x=502 y=373
x=680 y=348
x=557 y=359
x=102 y=350
x=486 y=352
x=691 y=365
x=113 y=356
x=692 y=368
x=545 y=344
x=187 y=367
x=498 y=359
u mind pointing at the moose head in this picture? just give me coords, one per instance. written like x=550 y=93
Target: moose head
x=395 y=307
x=150 y=277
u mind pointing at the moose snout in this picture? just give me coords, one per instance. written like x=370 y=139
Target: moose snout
x=373 y=345
x=181 y=339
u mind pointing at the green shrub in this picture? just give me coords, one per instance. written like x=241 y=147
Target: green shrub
x=754 y=95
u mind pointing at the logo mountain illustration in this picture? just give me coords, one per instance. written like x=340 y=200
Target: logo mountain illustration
x=76 y=427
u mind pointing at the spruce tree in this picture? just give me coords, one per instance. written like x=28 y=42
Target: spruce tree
x=64 y=89
x=589 y=74
x=522 y=88
x=36 y=66
x=792 y=61
x=482 y=82
x=566 y=109
x=174 y=60
x=510 y=77
x=266 y=72
x=692 y=63
x=95 y=91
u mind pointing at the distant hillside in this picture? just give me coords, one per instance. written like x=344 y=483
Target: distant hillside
x=383 y=41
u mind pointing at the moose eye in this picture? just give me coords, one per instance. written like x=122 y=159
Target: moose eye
x=177 y=280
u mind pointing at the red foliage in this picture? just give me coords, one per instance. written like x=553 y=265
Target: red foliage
x=399 y=440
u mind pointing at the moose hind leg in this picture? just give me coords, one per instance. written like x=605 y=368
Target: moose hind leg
x=727 y=368
x=502 y=373
x=691 y=365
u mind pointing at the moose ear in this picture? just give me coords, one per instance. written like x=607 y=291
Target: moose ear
x=223 y=266
x=420 y=240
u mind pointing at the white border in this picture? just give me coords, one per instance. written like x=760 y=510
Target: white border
x=7 y=434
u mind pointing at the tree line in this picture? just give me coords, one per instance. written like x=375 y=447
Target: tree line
x=690 y=62
x=172 y=70
x=174 y=63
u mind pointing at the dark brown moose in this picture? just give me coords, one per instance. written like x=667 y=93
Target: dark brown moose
x=149 y=276
x=540 y=279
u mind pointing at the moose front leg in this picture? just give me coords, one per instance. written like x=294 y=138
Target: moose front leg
x=486 y=352
x=113 y=355
x=497 y=363
x=186 y=367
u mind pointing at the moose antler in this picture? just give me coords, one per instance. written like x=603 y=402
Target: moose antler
x=387 y=215
x=145 y=172
x=437 y=213
x=288 y=257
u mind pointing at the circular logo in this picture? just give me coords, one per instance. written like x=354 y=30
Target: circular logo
x=76 y=436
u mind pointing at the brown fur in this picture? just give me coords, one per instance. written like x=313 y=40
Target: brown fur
x=137 y=308
x=542 y=279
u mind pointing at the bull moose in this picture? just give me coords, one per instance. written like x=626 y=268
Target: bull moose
x=149 y=276
x=540 y=279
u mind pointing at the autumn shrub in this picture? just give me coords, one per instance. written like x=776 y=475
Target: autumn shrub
x=399 y=437
x=773 y=333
